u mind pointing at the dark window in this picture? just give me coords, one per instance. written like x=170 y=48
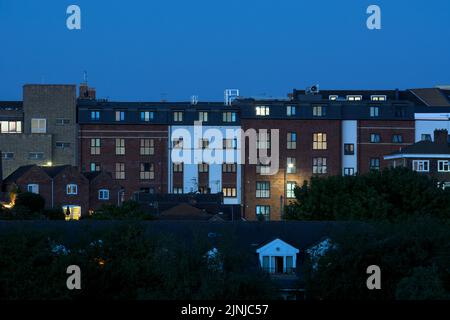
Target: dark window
x=375 y=138
x=397 y=138
x=349 y=149
x=375 y=164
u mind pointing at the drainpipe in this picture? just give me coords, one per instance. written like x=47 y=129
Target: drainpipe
x=52 y=195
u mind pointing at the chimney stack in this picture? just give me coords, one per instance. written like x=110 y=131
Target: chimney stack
x=86 y=93
x=441 y=137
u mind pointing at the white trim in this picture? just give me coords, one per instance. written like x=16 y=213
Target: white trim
x=432 y=116
x=416 y=155
x=427 y=162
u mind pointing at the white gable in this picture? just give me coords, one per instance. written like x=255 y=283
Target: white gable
x=277 y=247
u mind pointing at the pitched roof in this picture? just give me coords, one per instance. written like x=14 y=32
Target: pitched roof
x=92 y=175
x=50 y=171
x=425 y=148
x=431 y=97
x=186 y=212
x=18 y=173
x=54 y=171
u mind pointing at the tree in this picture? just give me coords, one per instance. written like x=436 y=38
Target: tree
x=31 y=201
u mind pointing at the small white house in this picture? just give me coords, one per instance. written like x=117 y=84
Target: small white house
x=278 y=257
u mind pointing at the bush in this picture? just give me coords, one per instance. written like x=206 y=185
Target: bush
x=54 y=214
x=31 y=201
x=130 y=210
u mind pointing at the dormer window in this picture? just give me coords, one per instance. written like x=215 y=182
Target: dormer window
x=262 y=111
x=333 y=97
x=354 y=98
x=278 y=257
x=378 y=98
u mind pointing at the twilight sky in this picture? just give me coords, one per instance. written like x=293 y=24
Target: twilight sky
x=172 y=49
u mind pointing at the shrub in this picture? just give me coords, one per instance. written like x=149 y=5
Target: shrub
x=54 y=214
x=33 y=202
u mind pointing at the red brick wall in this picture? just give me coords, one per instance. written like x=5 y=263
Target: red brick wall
x=132 y=158
x=304 y=155
x=386 y=129
x=103 y=181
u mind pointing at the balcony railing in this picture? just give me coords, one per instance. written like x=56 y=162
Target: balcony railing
x=288 y=270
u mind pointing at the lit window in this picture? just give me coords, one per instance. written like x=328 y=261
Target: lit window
x=120 y=146
x=95 y=115
x=94 y=167
x=319 y=165
x=203 y=167
x=290 y=188
x=72 y=189
x=263 y=169
x=378 y=98
x=38 y=125
x=349 y=171
x=33 y=188
x=229 y=167
x=103 y=194
x=319 y=141
x=11 y=126
x=333 y=97
x=229 y=192
x=421 y=165
x=291 y=164
x=262 y=111
x=354 y=98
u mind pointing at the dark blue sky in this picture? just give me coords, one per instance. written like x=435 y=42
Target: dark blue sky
x=146 y=50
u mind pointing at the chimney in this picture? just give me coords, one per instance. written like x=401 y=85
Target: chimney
x=441 y=137
x=86 y=93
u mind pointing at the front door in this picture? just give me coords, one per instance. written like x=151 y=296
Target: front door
x=278 y=264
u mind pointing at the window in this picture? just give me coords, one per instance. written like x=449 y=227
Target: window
x=103 y=194
x=147 y=171
x=291 y=111
x=147 y=147
x=120 y=171
x=178 y=116
x=62 y=145
x=229 y=117
x=290 y=187
x=203 y=167
x=263 y=140
x=178 y=143
x=378 y=98
x=375 y=138
x=204 y=143
x=94 y=167
x=38 y=125
x=421 y=165
x=229 y=167
x=263 y=189
x=95 y=115
x=11 y=126
x=375 y=164
x=333 y=97
x=374 y=112
x=291 y=165
x=397 y=138
x=354 y=98
x=95 y=146
x=177 y=190
x=262 y=111
x=120 y=115
x=229 y=192
x=178 y=167
x=203 y=116
x=425 y=137
x=319 y=111
x=36 y=156
x=8 y=155
x=263 y=169
x=263 y=212
x=33 y=188
x=399 y=112
x=291 y=140
x=147 y=190
x=319 y=165
x=349 y=171
x=319 y=141
x=62 y=122
x=443 y=166
x=72 y=189
x=147 y=116
x=120 y=146
x=349 y=149
x=229 y=143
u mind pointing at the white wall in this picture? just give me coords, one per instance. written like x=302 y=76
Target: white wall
x=350 y=135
